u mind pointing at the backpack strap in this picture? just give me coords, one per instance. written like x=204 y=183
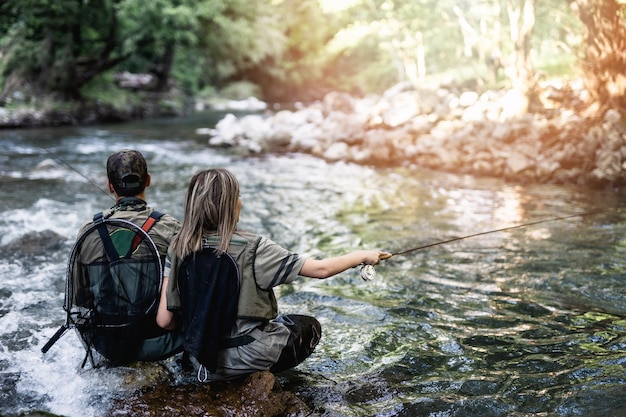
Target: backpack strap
x=155 y=216
x=98 y=219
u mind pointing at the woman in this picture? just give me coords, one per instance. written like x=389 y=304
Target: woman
x=260 y=338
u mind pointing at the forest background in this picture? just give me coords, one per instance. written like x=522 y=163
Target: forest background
x=298 y=50
x=79 y=61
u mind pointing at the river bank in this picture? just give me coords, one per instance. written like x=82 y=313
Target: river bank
x=562 y=140
x=84 y=113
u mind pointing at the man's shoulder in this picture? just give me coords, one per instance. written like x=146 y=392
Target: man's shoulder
x=167 y=217
x=167 y=222
x=139 y=217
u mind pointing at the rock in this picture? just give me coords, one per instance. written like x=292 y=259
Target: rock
x=397 y=89
x=205 y=131
x=307 y=136
x=420 y=124
x=34 y=243
x=468 y=98
x=337 y=151
x=249 y=104
x=134 y=81
x=344 y=127
x=257 y=395
x=47 y=165
x=612 y=117
x=402 y=109
x=474 y=112
x=228 y=130
x=338 y=102
x=254 y=127
x=517 y=162
x=513 y=104
x=279 y=137
x=436 y=128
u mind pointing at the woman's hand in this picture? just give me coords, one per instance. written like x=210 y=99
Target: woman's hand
x=373 y=257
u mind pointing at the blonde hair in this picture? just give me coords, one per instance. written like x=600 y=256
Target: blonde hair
x=210 y=208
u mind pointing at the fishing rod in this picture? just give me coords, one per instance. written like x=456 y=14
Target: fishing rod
x=368 y=272
x=64 y=162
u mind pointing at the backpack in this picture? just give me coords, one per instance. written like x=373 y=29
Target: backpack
x=209 y=283
x=113 y=284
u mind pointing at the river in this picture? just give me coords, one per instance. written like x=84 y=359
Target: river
x=524 y=322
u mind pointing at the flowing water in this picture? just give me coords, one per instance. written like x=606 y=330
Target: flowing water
x=524 y=322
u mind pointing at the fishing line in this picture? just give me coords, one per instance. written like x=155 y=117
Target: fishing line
x=368 y=272
x=64 y=162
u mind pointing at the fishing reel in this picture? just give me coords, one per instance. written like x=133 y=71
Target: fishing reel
x=368 y=273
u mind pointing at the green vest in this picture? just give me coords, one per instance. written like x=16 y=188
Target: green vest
x=254 y=302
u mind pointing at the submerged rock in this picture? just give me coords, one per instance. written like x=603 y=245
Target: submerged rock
x=257 y=395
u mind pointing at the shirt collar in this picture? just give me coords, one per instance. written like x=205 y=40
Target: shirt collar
x=130 y=203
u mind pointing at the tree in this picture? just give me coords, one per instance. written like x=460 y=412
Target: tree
x=59 y=45
x=293 y=34
x=604 y=63
x=237 y=38
x=521 y=22
x=153 y=32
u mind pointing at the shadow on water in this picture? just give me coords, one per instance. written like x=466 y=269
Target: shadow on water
x=524 y=322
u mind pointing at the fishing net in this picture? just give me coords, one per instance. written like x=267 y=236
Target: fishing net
x=114 y=278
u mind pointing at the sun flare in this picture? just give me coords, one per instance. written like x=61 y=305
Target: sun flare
x=329 y=6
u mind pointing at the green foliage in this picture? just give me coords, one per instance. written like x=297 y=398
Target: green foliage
x=102 y=89
x=291 y=49
x=295 y=68
x=241 y=90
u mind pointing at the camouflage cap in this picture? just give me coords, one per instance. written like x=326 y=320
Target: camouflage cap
x=127 y=172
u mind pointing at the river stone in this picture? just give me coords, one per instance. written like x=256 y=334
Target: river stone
x=277 y=137
x=35 y=243
x=517 y=162
x=468 y=98
x=257 y=395
x=47 y=165
x=402 y=109
x=559 y=146
x=337 y=151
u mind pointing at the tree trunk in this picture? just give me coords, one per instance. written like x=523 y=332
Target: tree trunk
x=494 y=55
x=421 y=56
x=604 y=64
x=163 y=68
x=521 y=72
x=409 y=51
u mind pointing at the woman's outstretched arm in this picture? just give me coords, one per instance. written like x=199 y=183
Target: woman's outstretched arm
x=326 y=268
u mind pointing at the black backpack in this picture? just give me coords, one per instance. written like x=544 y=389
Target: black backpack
x=113 y=283
x=209 y=283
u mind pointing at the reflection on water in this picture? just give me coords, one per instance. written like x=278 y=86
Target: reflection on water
x=522 y=322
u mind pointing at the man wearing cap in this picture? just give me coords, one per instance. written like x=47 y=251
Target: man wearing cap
x=127 y=180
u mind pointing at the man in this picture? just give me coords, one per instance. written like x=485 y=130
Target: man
x=127 y=180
